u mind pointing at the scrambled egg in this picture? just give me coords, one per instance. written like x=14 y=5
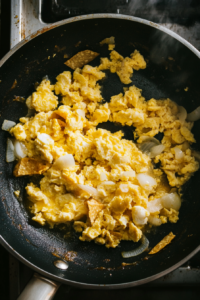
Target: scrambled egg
x=96 y=179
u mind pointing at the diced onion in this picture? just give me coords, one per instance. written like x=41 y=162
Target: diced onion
x=83 y=105
x=171 y=200
x=146 y=147
x=139 y=215
x=20 y=150
x=64 y=162
x=194 y=115
x=196 y=155
x=45 y=139
x=146 y=139
x=81 y=112
x=10 y=156
x=146 y=181
x=147 y=144
x=109 y=183
x=154 y=221
x=144 y=245
x=128 y=174
x=7 y=124
x=178 y=153
x=89 y=189
x=156 y=150
x=103 y=176
x=124 y=188
x=182 y=114
x=154 y=205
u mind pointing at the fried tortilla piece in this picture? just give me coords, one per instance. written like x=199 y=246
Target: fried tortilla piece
x=30 y=166
x=94 y=208
x=110 y=40
x=81 y=58
x=163 y=243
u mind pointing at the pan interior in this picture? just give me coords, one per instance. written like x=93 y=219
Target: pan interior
x=164 y=77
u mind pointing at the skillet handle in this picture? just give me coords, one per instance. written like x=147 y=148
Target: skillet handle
x=39 y=288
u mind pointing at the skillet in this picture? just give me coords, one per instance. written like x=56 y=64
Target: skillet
x=173 y=64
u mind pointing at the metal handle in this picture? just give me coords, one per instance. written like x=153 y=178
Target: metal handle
x=39 y=288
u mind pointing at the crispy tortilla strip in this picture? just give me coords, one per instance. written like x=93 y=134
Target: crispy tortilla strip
x=94 y=208
x=81 y=58
x=30 y=166
x=110 y=40
x=163 y=243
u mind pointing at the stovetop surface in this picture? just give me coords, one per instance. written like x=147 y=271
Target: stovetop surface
x=181 y=16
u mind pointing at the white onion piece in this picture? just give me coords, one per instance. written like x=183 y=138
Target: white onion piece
x=7 y=125
x=128 y=174
x=194 y=115
x=10 y=156
x=45 y=139
x=109 y=183
x=154 y=221
x=178 y=153
x=146 y=147
x=103 y=176
x=83 y=105
x=144 y=245
x=81 y=112
x=171 y=201
x=20 y=150
x=89 y=189
x=139 y=215
x=196 y=155
x=154 y=205
x=146 y=138
x=146 y=181
x=182 y=114
x=156 y=150
x=64 y=162
x=124 y=188
x=147 y=144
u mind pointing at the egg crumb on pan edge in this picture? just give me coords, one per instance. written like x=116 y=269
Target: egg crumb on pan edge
x=106 y=185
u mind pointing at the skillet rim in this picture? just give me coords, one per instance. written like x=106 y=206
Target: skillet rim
x=3 y=241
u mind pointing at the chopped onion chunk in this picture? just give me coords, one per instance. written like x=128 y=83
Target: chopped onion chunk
x=89 y=189
x=182 y=114
x=7 y=125
x=146 y=181
x=10 y=156
x=154 y=205
x=45 y=139
x=194 y=115
x=156 y=150
x=20 y=150
x=81 y=112
x=64 y=162
x=144 y=245
x=171 y=200
x=178 y=153
x=154 y=221
x=139 y=215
